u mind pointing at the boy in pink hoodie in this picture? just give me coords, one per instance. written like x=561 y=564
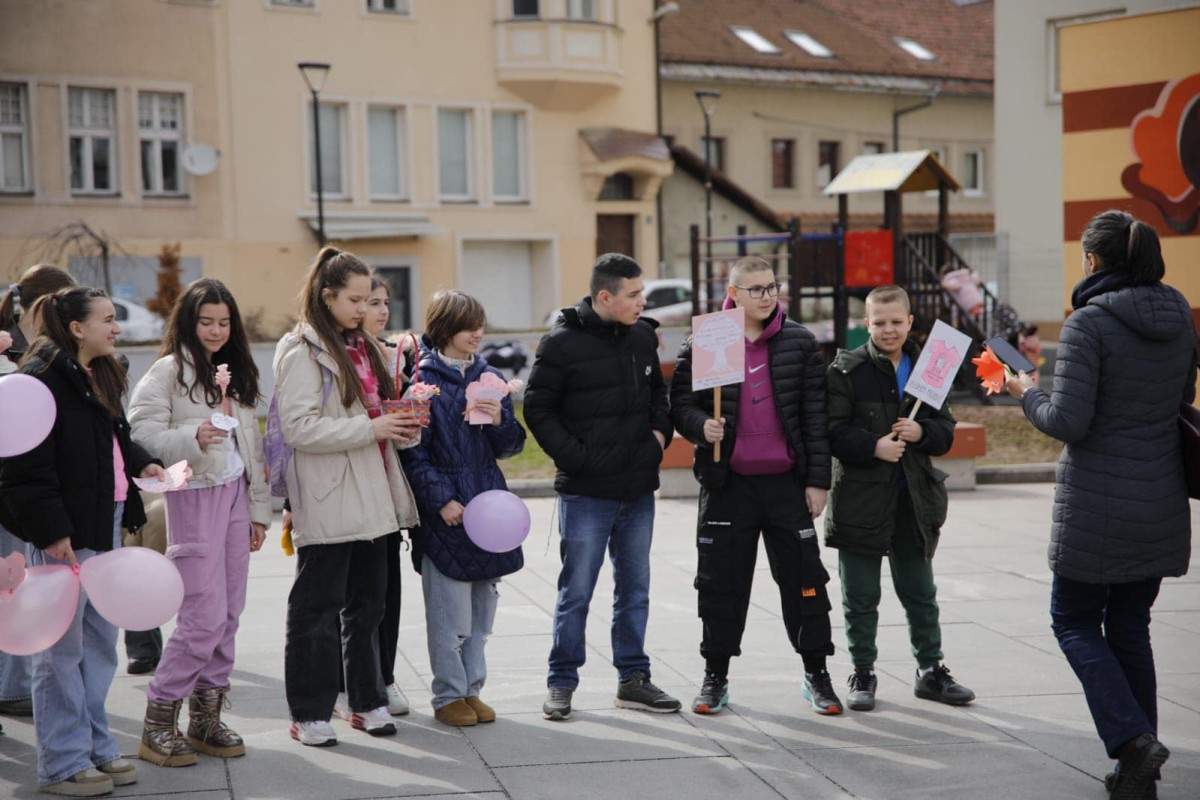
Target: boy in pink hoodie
x=771 y=479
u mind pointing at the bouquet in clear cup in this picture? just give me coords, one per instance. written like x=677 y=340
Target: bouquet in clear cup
x=417 y=398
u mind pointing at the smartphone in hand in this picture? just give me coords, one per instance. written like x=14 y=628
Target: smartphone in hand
x=1010 y=356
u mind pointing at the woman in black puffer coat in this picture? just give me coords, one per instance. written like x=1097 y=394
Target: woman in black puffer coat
x=1126 y=359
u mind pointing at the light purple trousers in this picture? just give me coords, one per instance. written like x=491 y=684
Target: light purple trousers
x=208 y=540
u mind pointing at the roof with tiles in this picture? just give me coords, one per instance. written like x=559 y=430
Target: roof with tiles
x=862 y=37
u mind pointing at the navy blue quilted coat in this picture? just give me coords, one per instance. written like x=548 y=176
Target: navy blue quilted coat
x=456 y=461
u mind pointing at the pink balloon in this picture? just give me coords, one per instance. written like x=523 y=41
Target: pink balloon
x=39 y=611
x=135 y=588
x=496 y=521
x=29 y=412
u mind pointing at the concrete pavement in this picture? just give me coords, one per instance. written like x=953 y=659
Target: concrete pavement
x=1027 y=736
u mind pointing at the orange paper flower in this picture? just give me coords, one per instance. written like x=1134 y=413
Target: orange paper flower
x=990 y=371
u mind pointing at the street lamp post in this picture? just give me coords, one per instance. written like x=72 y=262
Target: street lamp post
x=707 y=98
x=314 y=73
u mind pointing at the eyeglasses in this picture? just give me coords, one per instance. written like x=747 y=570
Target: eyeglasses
x=757 y=292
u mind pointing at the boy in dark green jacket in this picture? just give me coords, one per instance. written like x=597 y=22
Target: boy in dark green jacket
x=887 y=499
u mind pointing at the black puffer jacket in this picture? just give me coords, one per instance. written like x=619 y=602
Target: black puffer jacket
x=1125 y=361
x=798 y=383
x=64 y=486
x=595 y=397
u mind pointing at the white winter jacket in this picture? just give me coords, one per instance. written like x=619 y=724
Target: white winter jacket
x=337 y=483
x=165 y=420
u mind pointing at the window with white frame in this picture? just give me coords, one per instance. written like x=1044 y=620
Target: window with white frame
x=581 y=9
x=1053 y=28
x=455 y=167
x=294 y=3
x=972 y=172
x=525 y=9
x=509 y=162
x=331 y=126
x=14 y=138
x=873 y=148
x=92 y=133
x=160 y=126
x=387 y=177
x=399 y=7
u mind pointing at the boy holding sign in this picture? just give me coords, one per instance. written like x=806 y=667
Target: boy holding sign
x=770 y=477
x=887 y=499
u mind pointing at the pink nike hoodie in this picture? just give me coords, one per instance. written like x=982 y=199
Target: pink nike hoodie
x=761 y=446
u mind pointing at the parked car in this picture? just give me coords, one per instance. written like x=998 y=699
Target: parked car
x=668 y=300
x=138 y=323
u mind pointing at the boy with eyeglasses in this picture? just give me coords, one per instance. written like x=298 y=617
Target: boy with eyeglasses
x=771 y=479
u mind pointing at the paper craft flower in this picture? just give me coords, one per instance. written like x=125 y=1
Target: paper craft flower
x=421 y=391
x=516 y=385
x=223 y=377
x=990 y=371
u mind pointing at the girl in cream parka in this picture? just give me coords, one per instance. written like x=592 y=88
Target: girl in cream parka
x=347 y=492
x=213 y=524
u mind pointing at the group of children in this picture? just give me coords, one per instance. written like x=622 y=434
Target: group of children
x=797 y=437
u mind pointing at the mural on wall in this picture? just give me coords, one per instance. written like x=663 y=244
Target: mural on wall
x=1166 y=140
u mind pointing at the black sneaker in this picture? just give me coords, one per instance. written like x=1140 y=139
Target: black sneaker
x=818 y=690
x=862 y=685
x=1110 y=782
x=937 y=684
x=558 y=703
x=714 y=694
x=638 y=692
x=1139 y=760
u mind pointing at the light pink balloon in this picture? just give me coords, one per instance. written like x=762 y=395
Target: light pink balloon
x=39 y=611
x=135 y=588
x=29 y=412
x=496 y=521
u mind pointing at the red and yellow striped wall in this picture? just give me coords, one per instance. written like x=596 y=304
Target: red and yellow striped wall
x=1131 y=134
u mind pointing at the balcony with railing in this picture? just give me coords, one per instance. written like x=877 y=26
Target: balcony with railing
x=559 y=63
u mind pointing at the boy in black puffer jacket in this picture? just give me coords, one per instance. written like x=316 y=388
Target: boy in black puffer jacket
x=887 y=499
x=772 y=479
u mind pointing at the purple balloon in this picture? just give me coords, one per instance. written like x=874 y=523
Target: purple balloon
x=135 y=588
x=37 y=613
x=29 y=412
x=496 y=521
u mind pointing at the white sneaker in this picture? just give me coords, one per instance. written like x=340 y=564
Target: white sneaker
x=313 y=734
x=341 y=707
x=397 y=702
x=376 y=722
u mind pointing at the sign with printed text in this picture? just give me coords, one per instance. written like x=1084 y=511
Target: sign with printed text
x=934 y=372
x=718 y=349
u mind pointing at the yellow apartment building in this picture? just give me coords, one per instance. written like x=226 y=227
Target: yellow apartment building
x=492 y=145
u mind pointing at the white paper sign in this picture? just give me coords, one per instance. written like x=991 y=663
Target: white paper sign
x=718 y=348
x=934 y=372
x=224 y=422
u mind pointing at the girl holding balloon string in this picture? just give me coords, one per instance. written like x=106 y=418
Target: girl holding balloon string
x=197 y=403
x=70 y=496
x=455 y=461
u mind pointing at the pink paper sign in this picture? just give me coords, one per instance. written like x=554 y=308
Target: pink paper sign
x=940 y=359
x=718 y=349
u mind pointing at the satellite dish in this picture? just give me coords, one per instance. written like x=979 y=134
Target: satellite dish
x=200 y=159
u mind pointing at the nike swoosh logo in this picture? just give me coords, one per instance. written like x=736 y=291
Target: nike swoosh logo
x=756 y=369
x=756 y=400
x=756 y=385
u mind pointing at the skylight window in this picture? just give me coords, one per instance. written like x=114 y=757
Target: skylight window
x=915 y=50
x=808 y=44
x=754 y=39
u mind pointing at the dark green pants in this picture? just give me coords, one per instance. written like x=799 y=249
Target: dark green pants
x=912 y=576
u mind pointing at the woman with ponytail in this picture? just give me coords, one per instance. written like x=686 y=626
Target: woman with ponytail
x=1121 y=523
x=69 y=497
x=181 y=410
x=347 y=493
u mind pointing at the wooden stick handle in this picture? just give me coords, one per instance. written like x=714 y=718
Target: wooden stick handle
x=916 y=407
x=717 y=415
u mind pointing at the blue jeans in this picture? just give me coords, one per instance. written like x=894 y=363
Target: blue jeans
x=458 y=622
x=1104 y=631
x=70 y=685
x=16 y=672
x=589 y=526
